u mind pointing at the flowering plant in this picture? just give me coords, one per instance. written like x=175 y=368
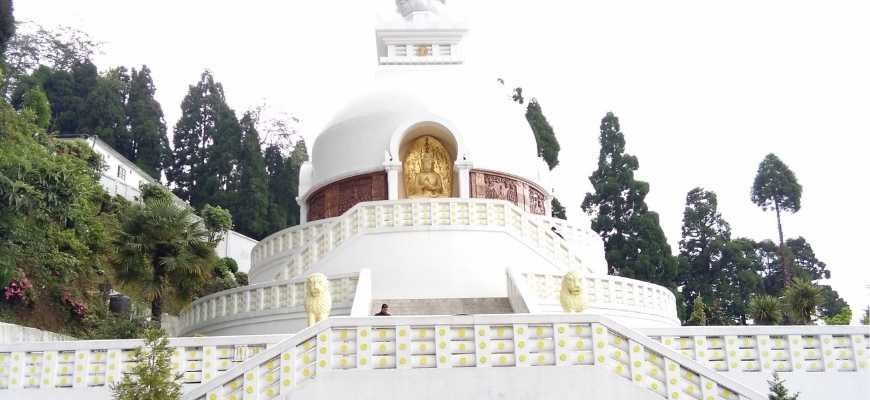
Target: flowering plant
x=17 y=290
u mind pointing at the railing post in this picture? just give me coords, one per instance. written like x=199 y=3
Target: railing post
x=403 y=347
x=764 y=350
x=324 y=352
x=521 y=345
x=442 y=347
x=114 y=366
x=250 y=384
x=636 y=358
x=209 y=363
x=80 y=370
x=797 y=351
x=49 y=369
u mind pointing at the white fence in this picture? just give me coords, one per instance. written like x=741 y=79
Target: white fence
x=482 y=341
x=291 y=252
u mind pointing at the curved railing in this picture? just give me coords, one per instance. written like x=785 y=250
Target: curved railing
x=770 y=349
x=275 y=297
x=291 y=252
x=480 y=341
x=96 y=364
x=604 y=294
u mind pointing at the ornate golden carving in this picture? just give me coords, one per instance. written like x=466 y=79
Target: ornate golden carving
x=428 y=169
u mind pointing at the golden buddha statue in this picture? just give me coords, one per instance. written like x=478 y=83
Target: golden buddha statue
x=427 y=169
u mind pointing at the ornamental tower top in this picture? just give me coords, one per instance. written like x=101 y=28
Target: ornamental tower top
x=422 y=34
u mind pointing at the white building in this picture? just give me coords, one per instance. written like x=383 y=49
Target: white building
x=122 y=177
x=417 y=198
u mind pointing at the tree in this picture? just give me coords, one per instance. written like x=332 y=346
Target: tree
x=217 y=221
x=278 y=178
x=704 y=237
x=207 y=142
x=699 y=316
x=147 y=127
x=253 y=193
x=298 y=156
x=35 y=102
x=634 y=243
x=778 y=391
x=151 y=377
x=844 y=317
x=558 y=209
x=833 y=306
x=101 y=110
x=765 y=310
x=548 y=145
x=7 y=24
x=776 y=186
x=865 y=320
x=165 y=254
x=801 y=300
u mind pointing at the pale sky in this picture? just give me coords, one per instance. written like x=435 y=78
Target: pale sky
x=703 y=89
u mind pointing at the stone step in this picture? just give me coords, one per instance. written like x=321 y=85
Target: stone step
x=447 y=306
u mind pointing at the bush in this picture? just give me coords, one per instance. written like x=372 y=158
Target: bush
x=151 y=377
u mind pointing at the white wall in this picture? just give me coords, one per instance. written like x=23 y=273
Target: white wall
x=238 y=247
x=435 y=263
x=11 y=333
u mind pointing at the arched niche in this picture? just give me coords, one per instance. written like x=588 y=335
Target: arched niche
x=412 y=136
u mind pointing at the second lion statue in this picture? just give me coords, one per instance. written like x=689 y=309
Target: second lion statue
x=318 y=300
x=571 y=296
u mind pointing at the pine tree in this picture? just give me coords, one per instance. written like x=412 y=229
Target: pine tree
x=147 y=127
x=777 y=187
x=548 y=145
x=558 y=209
x=298 y=156
x=705 y=235
x=102 y=114
x=7 y=24
x=634 y=243
x=206 y=142
x=278 y=179
x=778 y=391
x=151 y=376
x=253 y=193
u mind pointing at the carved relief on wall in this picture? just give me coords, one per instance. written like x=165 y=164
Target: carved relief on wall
x=338 y=197
x=427 y=169
x=525 y=195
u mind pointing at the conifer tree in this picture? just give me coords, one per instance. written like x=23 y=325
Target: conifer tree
x=7 y=24
x=102 y=114
x=705 y=235
x=151 y=375
x=634 y=243
x=548 y=145
x=147 y=127
x=778 y=391
x=206 y=142
x=253 y=193
x=298 y=156
x=278 y=177
x=777 y=187
x=558 y=209
x=699 y=316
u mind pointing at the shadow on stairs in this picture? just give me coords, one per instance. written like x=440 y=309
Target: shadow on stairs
x=448 y=306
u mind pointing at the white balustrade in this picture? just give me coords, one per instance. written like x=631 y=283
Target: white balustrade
x=769 y=349
x=482 y=341
x=273 y=261
x=278 y=296
x=99 y=363
x=603 y=292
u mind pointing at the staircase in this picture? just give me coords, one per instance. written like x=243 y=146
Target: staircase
x=453 y=306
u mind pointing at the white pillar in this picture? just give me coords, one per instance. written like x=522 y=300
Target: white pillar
x=548 y=205
x=392 y=168
x=303 y=210
x=463 y=172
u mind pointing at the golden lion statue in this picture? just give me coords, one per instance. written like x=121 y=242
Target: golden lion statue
x=318 y=300
x=571 y=296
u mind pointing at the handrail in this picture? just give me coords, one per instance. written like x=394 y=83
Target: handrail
x=770 y=349
x=510 y=340
x=99 y=363
x=262 y=297
x=397 y=215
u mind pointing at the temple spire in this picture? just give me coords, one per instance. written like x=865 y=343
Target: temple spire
x=424 y=35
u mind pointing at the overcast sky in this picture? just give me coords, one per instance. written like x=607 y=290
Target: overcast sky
x=703 y=89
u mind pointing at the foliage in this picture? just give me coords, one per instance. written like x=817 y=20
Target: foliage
x=251 y=215
x=548 y=145
x=150 y=192
x=116 y=327
x=151 y=377
x=844 y=317
x=35 y=102
x=558 y=210
x=635 y=245
x=865 y=320
x=801 y=300
x=55 y=226
x=699 y=316
x=777 y=187
x=765 y=310
x=165 y=254
x=832 y=304
x=217 y=221
x=778 y=391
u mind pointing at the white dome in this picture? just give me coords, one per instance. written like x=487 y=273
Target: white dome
x=490 y=129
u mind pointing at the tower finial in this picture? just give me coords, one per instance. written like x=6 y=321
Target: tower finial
x=408 y=7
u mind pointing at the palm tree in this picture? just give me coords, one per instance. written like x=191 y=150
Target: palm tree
x=765 y=310
x=801 y=300
x=165 y=253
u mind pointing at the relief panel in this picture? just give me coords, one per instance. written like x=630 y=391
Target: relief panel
x=338 y=197
x=492 y=185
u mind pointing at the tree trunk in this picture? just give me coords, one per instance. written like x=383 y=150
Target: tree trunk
x=156 y=310
x=786 y=264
